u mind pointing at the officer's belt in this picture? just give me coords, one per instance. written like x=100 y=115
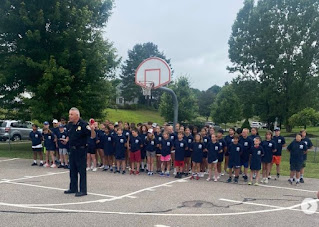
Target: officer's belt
x=77 y=147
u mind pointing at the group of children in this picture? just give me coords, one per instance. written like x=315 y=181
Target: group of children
x=187 y=150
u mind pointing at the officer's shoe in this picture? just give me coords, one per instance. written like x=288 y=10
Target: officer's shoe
x=78 y=194
x=69 y=192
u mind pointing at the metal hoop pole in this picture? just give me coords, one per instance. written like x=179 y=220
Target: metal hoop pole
x=175 y=102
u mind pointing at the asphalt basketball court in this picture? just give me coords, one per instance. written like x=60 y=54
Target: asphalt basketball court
x=33 y=196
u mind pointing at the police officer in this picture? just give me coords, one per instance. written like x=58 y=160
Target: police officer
x=78 y=133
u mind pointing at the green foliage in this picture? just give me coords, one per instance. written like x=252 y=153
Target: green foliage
x=305 y=117
x=276 y=43
x=246 y=124
x=187 y=103
x=206 y=99
x=136 y=56
x=226 y=107
x=54 y=52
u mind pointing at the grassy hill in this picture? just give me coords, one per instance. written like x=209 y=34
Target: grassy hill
x=135 y=116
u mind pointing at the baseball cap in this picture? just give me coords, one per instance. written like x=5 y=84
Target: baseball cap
x=55 y=121
x=154 y=125
x=46 y=123
x=116 y=123
x=277 y=129
x=150 y=130
x=61 y=126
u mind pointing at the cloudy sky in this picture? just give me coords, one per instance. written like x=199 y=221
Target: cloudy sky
x=192 y=33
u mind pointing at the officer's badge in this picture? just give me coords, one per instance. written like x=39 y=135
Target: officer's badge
x=79 y=128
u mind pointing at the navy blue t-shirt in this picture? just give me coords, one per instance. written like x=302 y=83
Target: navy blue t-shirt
x=108 y=143
x=297 y=150
x=189 y=139
x=36 y=137
x=180 y=147
x=120 y=141
x=99 y=135
x=256 y=155
x=309 y=144
x=158 y=138
x=235 y=151
x=197 y=152
x=49 y=141
x=280 y=141
x=247 y=144
x=222 y=144
x=143 y=137
x=269 y=148
x=173 y=137
x=62 y=135
x=166 y=146
x=135 y=143
x=150 y=145
x=92 y=143
x=213 y=150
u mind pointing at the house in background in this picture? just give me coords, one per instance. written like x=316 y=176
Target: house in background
x=120 y=101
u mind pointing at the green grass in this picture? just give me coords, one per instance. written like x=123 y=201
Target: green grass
x=23 y=150
x=134 y=116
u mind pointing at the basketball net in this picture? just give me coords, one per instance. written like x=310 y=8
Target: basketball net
x=147 y=88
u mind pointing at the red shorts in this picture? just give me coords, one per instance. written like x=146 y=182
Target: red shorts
x=135 y=156
x=179 y=163
x=276 y=159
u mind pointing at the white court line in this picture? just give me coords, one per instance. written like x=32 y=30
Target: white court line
x=30 y=177
x=60 y=189
x=6 y=160
x=153 y=214
x=259 y=204
x=286 y=188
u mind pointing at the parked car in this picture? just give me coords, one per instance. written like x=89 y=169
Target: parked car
x=15 y=130
x=259 y=125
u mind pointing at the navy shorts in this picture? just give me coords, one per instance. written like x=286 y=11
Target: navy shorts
x=243 y=163
x=296 y=166
x=233 y=165
x=37 y=149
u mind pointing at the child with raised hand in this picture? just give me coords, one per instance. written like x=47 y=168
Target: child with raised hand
x=297 y=149
x=213 y=148
x=235 y=149
x=49 y=144
x=197 y=149
x=135 y=152
x=158 y=137
x=120 y=148
x=188 y=137
x=36 y=138
x=257 y=152
x=221 y=154
x=150 y=146
x=269 y=147
x=166 y=147
x=180 y=146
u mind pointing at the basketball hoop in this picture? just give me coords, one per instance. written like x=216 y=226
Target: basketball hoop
x=147 y=88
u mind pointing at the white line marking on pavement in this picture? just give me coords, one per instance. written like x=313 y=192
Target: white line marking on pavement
x=286 y=188
x=6 y=160
x=30 y=177
x=259 y=204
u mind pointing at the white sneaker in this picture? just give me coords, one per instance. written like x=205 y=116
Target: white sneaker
x=53 y=165
x=218 y=177
x=269 y=177
x=208 y=179
x=215 y=179
x=46 y=165
x=223 y=173
x=94 y=169
x=88 y=168
x=266 y=181
x=101 y=167
x=262 y=180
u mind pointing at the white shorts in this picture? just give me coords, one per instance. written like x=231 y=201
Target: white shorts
x=63 y=151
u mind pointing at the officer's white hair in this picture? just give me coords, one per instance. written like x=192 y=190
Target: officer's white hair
x=75 y=110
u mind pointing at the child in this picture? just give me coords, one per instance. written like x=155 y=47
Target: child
x=166 y=147
x=63 y=148
x=247 y=143
x=189 y=139
x=135 y=152
x=120 y=148
x=228 y=140
x=269 y=147
x=180 y=146
x=91 y=154
x=223 y=146
x=158 y=137
x=49 y=144
x=235 y=150
x=108 y=147
x=197 y=155
x=36 y=138
x=127 y=133
x=150 y=147
x=143 y=136
x=309 y=145
x=257 y=152
x=280 y=143
x=206 y=140
x=253 y=133
x=213 y=148
x=297 y=149
x=99 y=145
x=173 y=137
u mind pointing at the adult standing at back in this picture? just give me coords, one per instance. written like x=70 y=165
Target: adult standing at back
x=78 y=133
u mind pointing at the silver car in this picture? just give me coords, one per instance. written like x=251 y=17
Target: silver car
x=15 y=130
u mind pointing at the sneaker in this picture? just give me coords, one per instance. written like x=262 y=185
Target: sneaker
x=249 y=183
x=101 y=167
x=197 y=177
x=215 y=179
x=105 y=169
x=278 y=175
x=141 y=170
x=34 y=164
x=94 y=169
x=236 y=180
x=177 y=176
x=256 y=184
x=192 y=177
x=167 y=174
x=60 y=166
x=245 y=178
x=297 y=183
x=148 y=173
x=266 y=181
x=222 y=174
x=123 y=172
x=218 y=177
x=254 y=176
x=41 y=164
x=262 y=180
x=151 y=174
x=229 y=180
x=290 y=181
x=117 y=171
x=269 y=177
x=162 y=174
x=302 y=180
x=53 y=166
x=137 y=172
x=88 y=169
x=131 y=172
x=208 y=179
x=66 y=167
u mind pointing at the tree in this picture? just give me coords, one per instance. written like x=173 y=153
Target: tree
x=276 y=43
x=53 y=57
x=305 y=117
x=139 y=53
x=226 y=108
x=187 y=105
x=206 y=99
